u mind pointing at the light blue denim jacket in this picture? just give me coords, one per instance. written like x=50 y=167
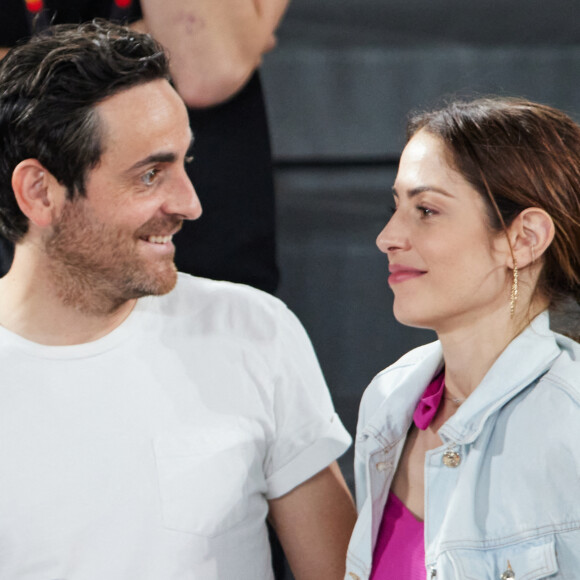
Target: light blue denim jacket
x=515 y=496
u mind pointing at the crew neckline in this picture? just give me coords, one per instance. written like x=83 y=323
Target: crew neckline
x=122 y=332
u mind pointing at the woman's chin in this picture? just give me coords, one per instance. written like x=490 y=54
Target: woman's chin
x=412 y=319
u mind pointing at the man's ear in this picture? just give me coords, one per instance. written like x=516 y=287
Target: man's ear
x=37 y=192
x=531 y=233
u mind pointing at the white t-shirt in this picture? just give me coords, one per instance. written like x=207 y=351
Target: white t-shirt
x=150 y=454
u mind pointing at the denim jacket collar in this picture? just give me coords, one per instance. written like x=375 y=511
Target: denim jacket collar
x=525 y=359
x=536 y=347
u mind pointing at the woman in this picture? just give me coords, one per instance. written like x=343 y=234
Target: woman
x=468 y=449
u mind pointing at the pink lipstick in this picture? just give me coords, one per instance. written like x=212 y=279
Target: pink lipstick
x=400 y=273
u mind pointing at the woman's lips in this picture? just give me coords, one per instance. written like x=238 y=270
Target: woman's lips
x=400 y=273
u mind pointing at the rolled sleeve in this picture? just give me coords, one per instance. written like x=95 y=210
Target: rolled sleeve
x=325 y=448
x=309 y=435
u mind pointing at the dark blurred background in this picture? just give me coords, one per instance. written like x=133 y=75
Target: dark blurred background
x=339 y=88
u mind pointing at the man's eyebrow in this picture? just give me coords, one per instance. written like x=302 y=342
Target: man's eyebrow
x=161 y=157
x=155 y=158
x=422 y=188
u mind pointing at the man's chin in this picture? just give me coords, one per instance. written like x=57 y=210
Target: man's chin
x=157 y=285
x=166 y=286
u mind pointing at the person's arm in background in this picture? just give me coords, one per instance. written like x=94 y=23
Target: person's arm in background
x=214 y=46
x=314 y=522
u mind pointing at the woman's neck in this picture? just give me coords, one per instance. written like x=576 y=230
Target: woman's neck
x=470 y=351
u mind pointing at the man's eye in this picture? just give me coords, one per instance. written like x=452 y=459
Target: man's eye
x=150 y=176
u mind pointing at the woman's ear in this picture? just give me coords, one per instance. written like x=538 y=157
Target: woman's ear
x=531 y=233
x=37 y=192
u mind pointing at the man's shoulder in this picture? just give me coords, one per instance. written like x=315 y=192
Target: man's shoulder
x=222 y=306
x=220 y=293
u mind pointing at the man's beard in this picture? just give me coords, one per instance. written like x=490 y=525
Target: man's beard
x=96 y=267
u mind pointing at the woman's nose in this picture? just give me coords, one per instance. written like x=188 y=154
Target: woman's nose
x=392 y=236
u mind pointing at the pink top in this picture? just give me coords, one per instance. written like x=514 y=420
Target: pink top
x=400 y=548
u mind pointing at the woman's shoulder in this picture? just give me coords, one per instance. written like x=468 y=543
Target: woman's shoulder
x=553 y=398
x=565 y=371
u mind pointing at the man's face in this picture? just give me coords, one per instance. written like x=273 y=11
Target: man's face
x=115 y=244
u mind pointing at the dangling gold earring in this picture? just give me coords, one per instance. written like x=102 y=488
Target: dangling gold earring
x=514 y=293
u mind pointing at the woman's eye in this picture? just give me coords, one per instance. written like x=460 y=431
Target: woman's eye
x=425 y=211
x=150 y=176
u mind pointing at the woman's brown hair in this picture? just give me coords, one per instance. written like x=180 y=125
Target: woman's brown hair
x=519 y=154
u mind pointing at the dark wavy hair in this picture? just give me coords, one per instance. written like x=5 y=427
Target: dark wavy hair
x=519 y=154
x=49 y=88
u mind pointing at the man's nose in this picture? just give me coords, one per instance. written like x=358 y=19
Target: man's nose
x=183 y=200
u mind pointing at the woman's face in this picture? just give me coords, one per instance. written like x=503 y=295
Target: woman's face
x=447 y=268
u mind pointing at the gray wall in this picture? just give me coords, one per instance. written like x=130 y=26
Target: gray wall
x=347 y=72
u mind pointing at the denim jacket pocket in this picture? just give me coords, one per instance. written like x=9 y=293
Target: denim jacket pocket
x=203 y=484
x=529 y=560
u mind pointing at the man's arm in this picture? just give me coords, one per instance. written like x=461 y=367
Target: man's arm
x=214 y=46
x=314 y=522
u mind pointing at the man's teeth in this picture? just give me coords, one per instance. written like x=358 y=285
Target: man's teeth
x=159 y=239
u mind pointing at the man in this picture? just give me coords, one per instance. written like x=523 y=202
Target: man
x=150 y=421
x=215 y=48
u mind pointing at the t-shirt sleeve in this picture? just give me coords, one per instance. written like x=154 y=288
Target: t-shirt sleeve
x=309 y=435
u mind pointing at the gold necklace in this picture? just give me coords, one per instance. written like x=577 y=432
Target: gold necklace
x=455 y=400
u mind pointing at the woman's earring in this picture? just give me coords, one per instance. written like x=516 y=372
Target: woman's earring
x=514 y=292
x=533 y=254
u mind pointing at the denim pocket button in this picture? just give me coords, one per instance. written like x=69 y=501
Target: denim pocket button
x=451 y=459
x=508 y=574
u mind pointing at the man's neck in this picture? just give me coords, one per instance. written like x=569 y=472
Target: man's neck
x=32 y=306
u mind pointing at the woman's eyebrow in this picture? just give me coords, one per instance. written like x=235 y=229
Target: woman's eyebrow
x=421 y=189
